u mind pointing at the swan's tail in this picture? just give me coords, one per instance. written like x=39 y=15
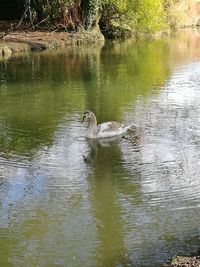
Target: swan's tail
x=131 y=127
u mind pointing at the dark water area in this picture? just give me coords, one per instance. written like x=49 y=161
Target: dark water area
x=68 y=201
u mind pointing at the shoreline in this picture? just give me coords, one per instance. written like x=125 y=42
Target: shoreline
x=21 y=41
x=15 y=42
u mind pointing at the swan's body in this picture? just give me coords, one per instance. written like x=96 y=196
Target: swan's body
x=103 y=130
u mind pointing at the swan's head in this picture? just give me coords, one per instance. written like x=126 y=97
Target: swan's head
x=87 y=115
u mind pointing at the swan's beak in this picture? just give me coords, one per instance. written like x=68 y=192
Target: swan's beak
x=83 y=119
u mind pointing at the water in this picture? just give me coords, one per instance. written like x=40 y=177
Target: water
x=66 y=201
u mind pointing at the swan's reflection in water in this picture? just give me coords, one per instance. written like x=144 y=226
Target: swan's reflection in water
x=107 y=185
x=95 y=144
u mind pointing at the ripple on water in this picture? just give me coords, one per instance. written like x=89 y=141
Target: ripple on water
x=133 y=202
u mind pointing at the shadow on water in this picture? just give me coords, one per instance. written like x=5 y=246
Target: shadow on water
x=131 y=202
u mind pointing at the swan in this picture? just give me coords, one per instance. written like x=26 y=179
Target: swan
x=103 y=130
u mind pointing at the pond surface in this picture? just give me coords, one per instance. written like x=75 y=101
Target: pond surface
x=65 y=201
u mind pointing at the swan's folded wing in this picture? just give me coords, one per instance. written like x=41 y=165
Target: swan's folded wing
x=110 y=126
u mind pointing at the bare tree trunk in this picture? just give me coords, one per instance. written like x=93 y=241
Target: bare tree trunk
x=90 y=11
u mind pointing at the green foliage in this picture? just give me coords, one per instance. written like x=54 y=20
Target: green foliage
x=137 y=15
x=149 y=15
x=173 y=17
x=140 y=15
x=48 y=10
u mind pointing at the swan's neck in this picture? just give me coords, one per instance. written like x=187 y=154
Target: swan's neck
x=92 y=125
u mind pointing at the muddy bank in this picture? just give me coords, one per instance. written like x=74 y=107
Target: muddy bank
x=23 y=41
